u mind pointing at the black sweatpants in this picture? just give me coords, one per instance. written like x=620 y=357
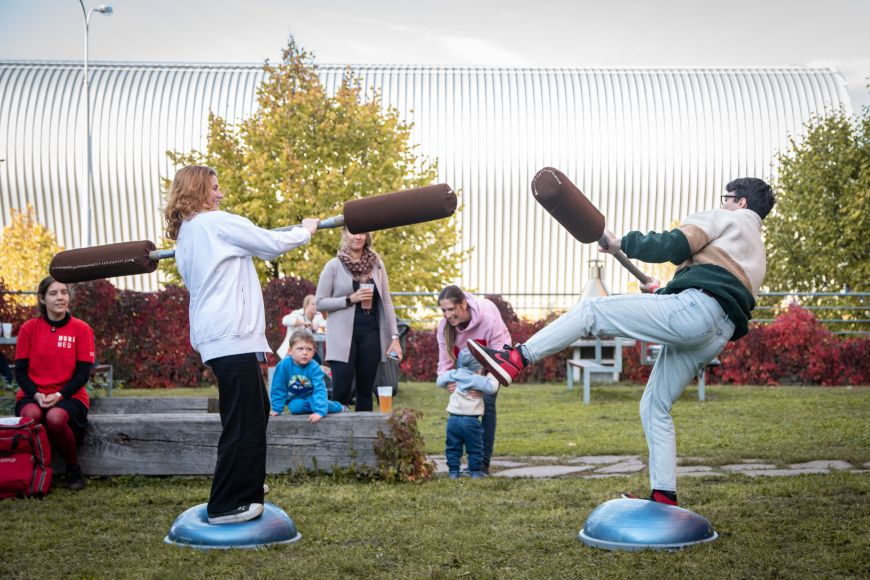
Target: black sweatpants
x=362 y=363
x=241 y=455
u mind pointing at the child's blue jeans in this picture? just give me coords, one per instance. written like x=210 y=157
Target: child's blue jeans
x=467 y=431
x=304 y=406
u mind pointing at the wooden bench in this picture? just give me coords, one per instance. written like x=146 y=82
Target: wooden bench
x=650 y=352
x=186 y=443
x=145 y=405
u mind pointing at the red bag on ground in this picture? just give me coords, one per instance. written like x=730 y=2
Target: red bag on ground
x=25 y=458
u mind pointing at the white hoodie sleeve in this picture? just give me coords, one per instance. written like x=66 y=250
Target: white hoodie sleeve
x=250 y=240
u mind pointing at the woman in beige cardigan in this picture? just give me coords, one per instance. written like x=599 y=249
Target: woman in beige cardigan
x=353 y=289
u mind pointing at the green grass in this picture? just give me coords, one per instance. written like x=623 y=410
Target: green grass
x=790 y=527
x=797 y=527
x=779 y=425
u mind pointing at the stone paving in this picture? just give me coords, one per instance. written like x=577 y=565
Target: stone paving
x=598 y=466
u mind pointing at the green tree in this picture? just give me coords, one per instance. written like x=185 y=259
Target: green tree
x=27 y=248
x=305 y=153
x=817 y=235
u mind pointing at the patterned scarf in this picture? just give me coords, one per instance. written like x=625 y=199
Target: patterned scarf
x=360 y=270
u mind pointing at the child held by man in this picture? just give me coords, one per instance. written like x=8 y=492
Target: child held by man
x=299 y=382
x=464 y=428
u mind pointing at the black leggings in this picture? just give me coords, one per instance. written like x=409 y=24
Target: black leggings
x=362 y=363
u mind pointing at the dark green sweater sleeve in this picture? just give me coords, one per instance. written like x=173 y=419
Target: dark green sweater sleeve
x=657 y=247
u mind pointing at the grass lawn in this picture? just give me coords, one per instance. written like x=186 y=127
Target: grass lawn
x=793 y=527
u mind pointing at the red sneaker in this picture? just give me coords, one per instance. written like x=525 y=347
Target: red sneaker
x=661 y=497
x=655 y=496
x=504 y=365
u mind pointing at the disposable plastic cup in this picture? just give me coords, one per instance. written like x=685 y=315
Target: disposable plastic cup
x=385 y=399
x=367 y=304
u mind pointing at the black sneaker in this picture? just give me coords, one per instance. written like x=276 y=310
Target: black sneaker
x=74 y=479
x=504 y=365
x=242 y=513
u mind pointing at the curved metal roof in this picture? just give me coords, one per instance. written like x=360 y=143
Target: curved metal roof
x=647 y=145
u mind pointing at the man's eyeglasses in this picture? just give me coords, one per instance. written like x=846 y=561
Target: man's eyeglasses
x=725 y=197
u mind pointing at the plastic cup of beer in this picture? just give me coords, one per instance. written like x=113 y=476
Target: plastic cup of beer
x=367 y=303
x=385 y=399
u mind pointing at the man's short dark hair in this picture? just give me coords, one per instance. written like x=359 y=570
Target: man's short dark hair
x=758 y=194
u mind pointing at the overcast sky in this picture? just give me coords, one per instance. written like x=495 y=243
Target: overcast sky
x=540 y=33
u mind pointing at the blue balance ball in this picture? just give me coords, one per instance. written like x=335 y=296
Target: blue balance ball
x=637 y=524
x=192 y=529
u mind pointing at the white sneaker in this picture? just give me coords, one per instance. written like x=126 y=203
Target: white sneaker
x=242 y=513
x=265 y=488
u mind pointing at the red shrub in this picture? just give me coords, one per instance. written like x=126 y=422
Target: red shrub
x=504 y=308
x=94 y=302
x=794 y=349
x=632 y=369
x=855 y=353
x=146 y=337
x=420 y=362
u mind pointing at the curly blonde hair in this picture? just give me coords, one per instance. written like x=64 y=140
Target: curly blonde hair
x=187 y=196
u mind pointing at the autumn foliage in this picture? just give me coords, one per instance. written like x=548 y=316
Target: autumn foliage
x=145 y=335
x=795 y=349
x=27 y=247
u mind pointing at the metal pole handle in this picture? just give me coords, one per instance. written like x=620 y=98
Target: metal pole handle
x=623 y=259
x=335 y=221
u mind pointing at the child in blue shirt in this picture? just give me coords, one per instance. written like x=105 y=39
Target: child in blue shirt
x=298 y=382
x=463 y=425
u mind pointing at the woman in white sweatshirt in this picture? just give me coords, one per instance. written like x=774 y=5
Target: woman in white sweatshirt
x=227 y=327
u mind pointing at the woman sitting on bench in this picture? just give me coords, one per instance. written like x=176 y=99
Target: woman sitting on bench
x=53 y=361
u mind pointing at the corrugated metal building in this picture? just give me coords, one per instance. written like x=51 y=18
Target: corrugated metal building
x=647 y=145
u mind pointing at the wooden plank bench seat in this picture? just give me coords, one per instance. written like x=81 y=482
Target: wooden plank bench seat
x=142 y=405
x=186 y=443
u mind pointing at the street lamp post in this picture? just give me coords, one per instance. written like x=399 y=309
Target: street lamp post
x=87 y=212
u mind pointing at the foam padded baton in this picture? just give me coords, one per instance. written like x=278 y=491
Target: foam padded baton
x=400 y=208
x=568 y=205
x=98 y=262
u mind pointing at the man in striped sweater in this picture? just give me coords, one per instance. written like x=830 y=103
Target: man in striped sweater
x=721 y=264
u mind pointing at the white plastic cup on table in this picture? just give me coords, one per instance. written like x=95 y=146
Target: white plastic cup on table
x=385 y=399
x=7 y=329
x=367 y=304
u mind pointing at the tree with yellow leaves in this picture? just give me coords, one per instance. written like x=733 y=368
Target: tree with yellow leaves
x=305 y=152
x=27 y=247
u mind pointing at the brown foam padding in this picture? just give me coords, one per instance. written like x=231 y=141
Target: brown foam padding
x=568 y=205
x=86 y=264
x=400 y=208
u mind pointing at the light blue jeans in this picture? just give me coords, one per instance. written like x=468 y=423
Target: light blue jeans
x=692 y=329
